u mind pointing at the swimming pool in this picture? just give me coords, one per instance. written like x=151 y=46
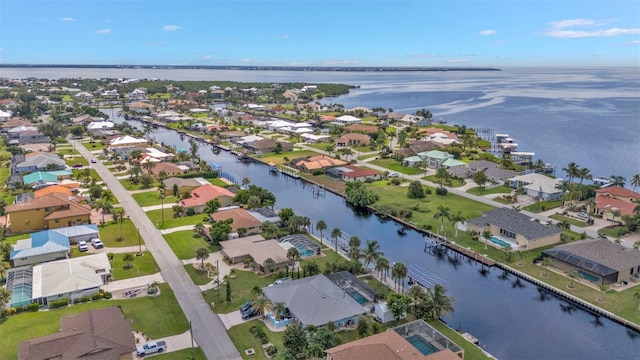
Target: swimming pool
x=305 y=251
x=589 y=277
x=500 y=242
x=356 y=296
x=422 y=345
x=21 y=295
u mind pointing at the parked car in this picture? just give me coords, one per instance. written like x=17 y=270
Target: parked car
x=152 y=348
x=76 y=166
x=97 y=243
x=251 y=312
x=82 y=246
x=393 y=175
x=93 y=161
x=246 y=306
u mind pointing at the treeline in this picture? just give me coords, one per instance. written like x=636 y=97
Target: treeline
x=160 y=86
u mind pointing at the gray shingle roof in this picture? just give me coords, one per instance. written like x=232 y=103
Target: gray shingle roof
x=597 y=255
x=315 y=300
x=515 y=222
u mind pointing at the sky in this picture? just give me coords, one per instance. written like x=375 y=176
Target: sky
x=322 y=33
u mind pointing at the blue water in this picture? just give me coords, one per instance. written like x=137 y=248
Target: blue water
x=422 y=345
x=500 y=242
x=304 y=251
x=21 y=295
x=589 y=277
x=356 y=296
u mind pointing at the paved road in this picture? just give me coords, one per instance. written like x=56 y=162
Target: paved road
x=208 y=330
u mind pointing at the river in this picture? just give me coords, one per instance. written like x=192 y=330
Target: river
x=511 y=317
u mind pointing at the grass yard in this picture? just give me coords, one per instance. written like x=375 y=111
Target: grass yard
x=157 y=317
x=217 y=182
x=13 y=239
x=139 y=186
x=278 y=159
x=319 y=146
x=243 y=339
x=494 y=190
x=92 y=172
x=368 y=156
x=153 y=198
x=141 y=265
x=94 y=145
x=393 y=165
x=70 y=161
x=68 y=151
x=199 y=277
x=543 y=206
x=614 y=232
x=571 y=221
x=454 y=183
x=192 y=354
x=241 y=287
x=501 y=200
x=110 y=234
x=170 y=222
x=185 y=244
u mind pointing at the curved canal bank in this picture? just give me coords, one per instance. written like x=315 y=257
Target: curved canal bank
x=511 y=320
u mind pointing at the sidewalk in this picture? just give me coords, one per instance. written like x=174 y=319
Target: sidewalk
x=159 y=207
x=132 y=283
x=174 y=343
x=115 y=250
x=179 y=228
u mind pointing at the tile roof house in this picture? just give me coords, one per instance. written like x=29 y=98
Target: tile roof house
x=365 y=129
x=615 y=198
x=53 y=189
x=257 y=249
x=242 y=219
x=265 y=146
x=316 y=163
x=353 y=173
x=39 y=162
x=169 y=168
x=517 y=227
x=49 y=211
x=92 y=335
x=598 y=260
x=538 y=186
x=205 y=193
x=184 y=185
x=353 y=139
x=316 y=300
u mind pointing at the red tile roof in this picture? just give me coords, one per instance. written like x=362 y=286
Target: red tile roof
x=609 y=204
x=359 y=172
x=618 y=192
x=204 y=194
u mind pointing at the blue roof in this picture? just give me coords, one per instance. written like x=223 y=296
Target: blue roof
x=39 y=176
x=43 y=242
x=61 y=172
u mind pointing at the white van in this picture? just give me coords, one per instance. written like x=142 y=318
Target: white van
x=97 y=243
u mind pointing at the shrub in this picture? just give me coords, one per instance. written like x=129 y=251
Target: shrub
x=58 y=303
x=441 y=191
x=96 y=296
x=271 y=350
x=396 y=181
x=110 y=256
x=427 y=191
x=108 y=295
x=191 y=211
x=33 y=307
x=317 y=172
x=84 y=299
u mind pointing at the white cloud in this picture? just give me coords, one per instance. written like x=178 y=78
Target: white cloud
x=206 y=57
x=571 y=29
x=67 y=19
x=634 y=42
x=487 y=32
x=171 y=27
x=457 y=61
x=340 y=62
x=422 y=56
x=245 y=60
x=103 y=31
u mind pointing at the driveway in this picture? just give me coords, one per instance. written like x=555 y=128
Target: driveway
x=208 y=330
x=232 y=319
x=174 y=343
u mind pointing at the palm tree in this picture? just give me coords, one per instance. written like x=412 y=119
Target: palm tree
x=256 y=291
x=442 y=175
x=148 y=166
x=546 y=262
x=371 y=253
x=584 y=173
x=486 y=234
x=354 y=248
x=398 y=272
x=614 y=214
x=148 y=130
x=128 y=260
x=455 y=219
x=199 y=229
x=382 y=266
x=564 y=187
x=572 y=274
x=246 y=182
x=279 y=308
x=104 y=207
x=335 y=234
x=439 y=303
x=321 y=226
x=618 y=181
x=202 y=254
x=416 y=292
x=118 y=216
x=293 y=254
x=564 y=225
x=572 y=171
x=635 y=181
x=261 y=305
x=268 y=264
x=443 y=213
x=603 y=290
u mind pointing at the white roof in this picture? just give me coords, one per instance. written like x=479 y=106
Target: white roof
x=155 y=153
x=315 y=137
x=249 y=138
x=99 y=125
x=279 y=123
x=347 y=118
x=5 y=114
x=127 y=140
x=296 y=131
x=538 y=182
x=69 y=275
x=198 y=110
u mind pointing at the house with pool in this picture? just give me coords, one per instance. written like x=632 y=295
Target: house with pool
x=315 y=300
x=599 y=261
x=513 y=229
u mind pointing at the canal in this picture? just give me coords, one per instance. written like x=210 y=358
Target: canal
x=512 y=318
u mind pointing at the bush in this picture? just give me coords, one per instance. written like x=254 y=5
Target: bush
x=96 y=296
x=317 y=172
x=84 y=299
x=442 y=191
x=191 y=211
x=271 y=350
x=396 y=181
x=33 y=307
x=107 y=295
x=110 y=256
x=428 y=191
x=58 y=303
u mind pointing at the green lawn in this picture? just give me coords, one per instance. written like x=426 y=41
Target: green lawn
x=571 y=221
x=368 y=156
x=92 y=172
x=192 y=354
x=393 y=165
x=131 y=186
x=243 y=339
x=615 y=232
x=68 y=151
x=110 y=234
x=279 y=158
x=13 y=239
x=241 y=287
x=495 y=190
x=185 y=244
x=501 y=200
x=156 y=317
x=94 y=145
x=170 y=222
x=451 y=183
x=152 y=198
x=471 y=351
x=319 y=146
x=141 y=266
x=543 y=206
x=217 y=182
x=199 y=277
x=76 y=160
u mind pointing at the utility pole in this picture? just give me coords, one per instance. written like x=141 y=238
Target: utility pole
x=218 y=278
x=139 y=243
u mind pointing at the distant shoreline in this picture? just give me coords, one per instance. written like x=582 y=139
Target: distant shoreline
x=254 y=68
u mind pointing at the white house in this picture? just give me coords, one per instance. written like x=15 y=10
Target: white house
x=126 y=141
x=537 y=185
x=100 y=125
x=347 y=120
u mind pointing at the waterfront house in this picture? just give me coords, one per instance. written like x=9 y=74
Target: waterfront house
x=205 y=193
x=316 y=163
x=316 y=300
x=91 y=335
x=347 y=120
x=415 y=120
x=98 y=126
x=597 y=260
x=256 y=248
x=434 y=159
x=538 y=186
x=50 y=211
x=141 y=107
x=126 y=141
x=353 y=173
x=39 y=162
x=511 y=228
x=353 y=139
x=168 y=168
x=614 y=198
x=242 y=219
x=183 y=185
x=491 y=169
x=266 y=146
x=364 y=129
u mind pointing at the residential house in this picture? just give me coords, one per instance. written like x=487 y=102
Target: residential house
x=514 y=229
x=316 y=300
x=353 y=173
x=257 y=249
x=169 y=169
x=538 y=186
x=41 y=247
x=491 y=169
x=353 y=139
x=205 y=193
x=8 y=103
x=13 y=123
x=85 y=119
x=42 y=178
x=126 y=141
x=615 y=198
x=364 y=129
x=599 y=261
x=415 y=120
x=109 y=94
x=137 y=94
x=15 y=132
x=15 y=181
x=314 y=139
x=83 y=95
x=182 y=185
x=92 y=335
x=99 y=126
x=242 y=219
x=418 y=146
x=316 y=163
x=394 y=115
x=33 y=137
x=39 y=162
x=266 y=146
x=347 y=120
x=50 y=211
x=435 y=158
x=53 y=189
x=141 y=107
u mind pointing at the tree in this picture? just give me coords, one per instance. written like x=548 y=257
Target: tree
x=398 y=304
x=269 y=229
x=202 y=254
x=321 y=226
x=228 y=290
x=324 y=337
x=295 y=338
x=398 y=273
x=293 y=254
x=118 y=216
x=279 y=309
x=382 y=266
x=268 y=264
x=148 y=130
x=212 y=206
x=363 y=326
x=5 y=297
x=128 y=260
x=455 y=219
x=148 y=166
x=417 y=293
x=572 y=171
x=546 y=262
x=253 y=202
x=199 y=229
x=146 y=180
x=635 y=181
x=603 y=290
x=261 y=305
x=371 y=253
x=311 y=268
x=564 y=225
x=335 y=234
x=443 y=213
x=415 y=190
x=285 y=214
x=584 y=173
x=104 y=207
x=354 y=247
x=480 y=178
x=572 y=275
x=178 y=211
x=618 y=181
x=246 y=182
x=438 y=302
x=443 y=176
